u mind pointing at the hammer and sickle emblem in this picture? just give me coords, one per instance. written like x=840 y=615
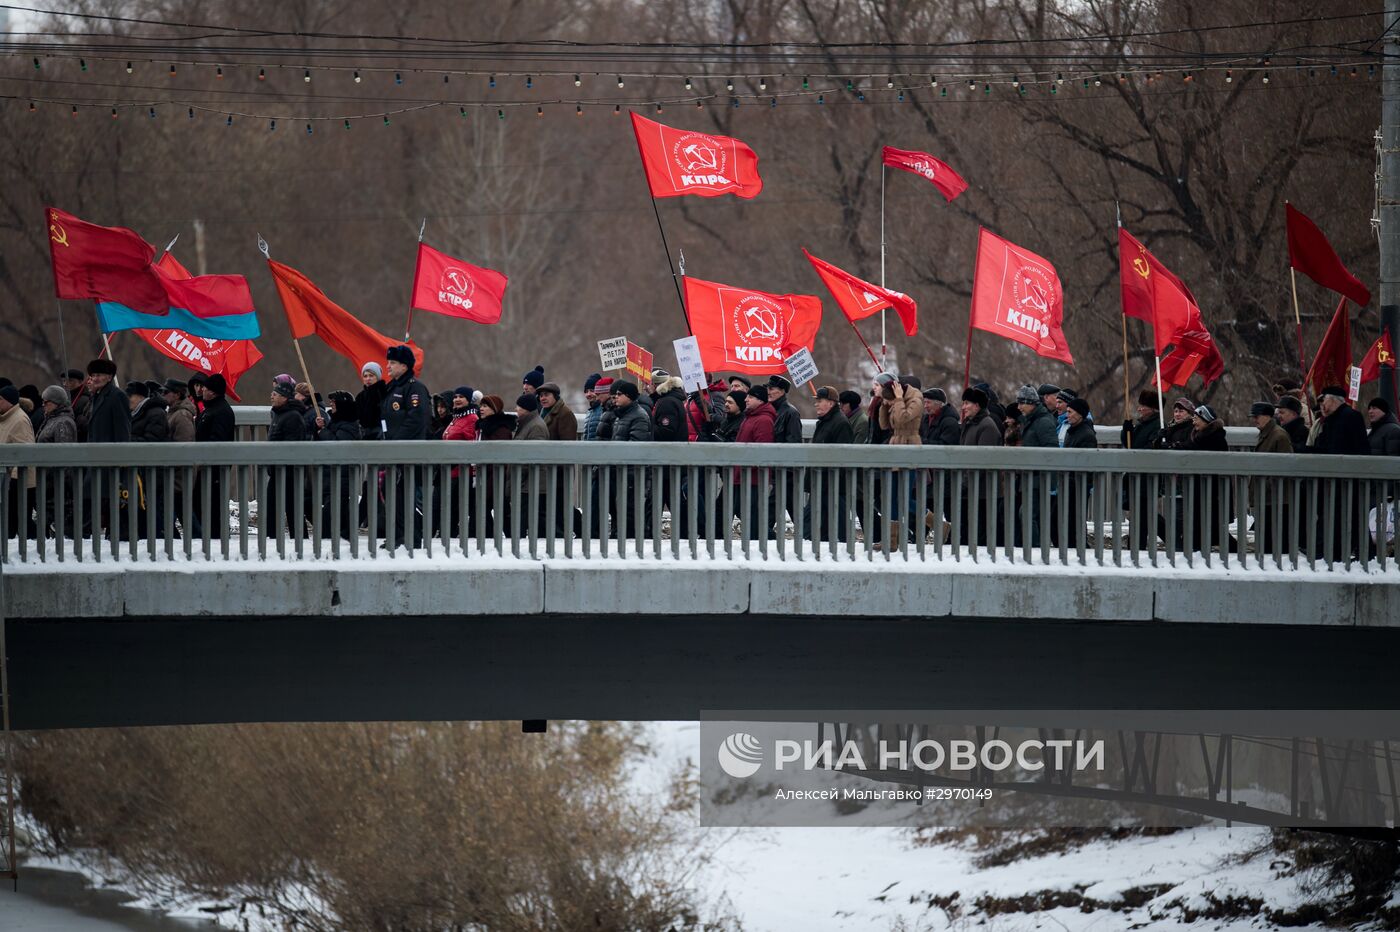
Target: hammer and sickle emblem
x=57 y=233
x=1140 y=266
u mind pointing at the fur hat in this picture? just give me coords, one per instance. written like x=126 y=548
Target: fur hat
x=1027 y=395
x=401 y=354
x=216 y=384
x=1380 y=404
x=1079 y=405
x=77 y=375
x=780 y=383
x=534 y=378
x=1291 y=403
x=912 y=381
x=1148 y=399
x=527 y=401
x=853 y=399
x=827 y=393
x=137 y=387
x=56 y=394
x=1261 y=409
x=102 y=367
x=1336 y=391
x=976 y=396
x=625 y=387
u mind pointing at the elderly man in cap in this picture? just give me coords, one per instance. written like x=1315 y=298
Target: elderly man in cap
x=1343 y=429
x=1289 y=411
x=788 y=426
x=1140 y=432
x=558 y=419
x=179 y=412
x=75 y=381
x=1272 y=437
x=110 y=418
x=832 y=427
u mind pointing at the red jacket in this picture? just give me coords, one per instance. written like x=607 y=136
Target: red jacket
x=756 y=428
x=461 y=428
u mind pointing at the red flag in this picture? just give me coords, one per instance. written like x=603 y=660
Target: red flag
x=1332 y=364
x=444 y=285
x=1152 y=293
x=1016 y=294
x=310 y=312
x=858 y=299
x=229 y=358
x=679 y=162
x=742 y=330
x=103 y=263
x=1380 y=354
x=1310 y=253
x=948 y=182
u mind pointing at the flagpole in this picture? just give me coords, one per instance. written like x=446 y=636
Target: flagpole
x=408 y=327
x=674 y=280
x=296 y=344
x=1298 y=321
x=1123 y=320
x=1159 y=395
x=976 y=263
x=865 y=344
x=881 y=363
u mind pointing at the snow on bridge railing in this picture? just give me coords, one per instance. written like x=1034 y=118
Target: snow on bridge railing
x=238 y=501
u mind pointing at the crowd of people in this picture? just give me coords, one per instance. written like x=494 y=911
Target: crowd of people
x=392 y=403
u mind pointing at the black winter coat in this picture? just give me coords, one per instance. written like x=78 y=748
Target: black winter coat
x=1385 y=437
x=788 y=426
x=728 y=430
x=668 y=417
x=1082 y=436
x=1343 y=432
x=110 y=420
x=215 y=423
x=340 y=429
x=1297 y=430
x=288 y=422
x=368 y=403
x=496 y=427
x=407 y=409
x=1145 y=434
x=1038 y=429
x=148 y=423
x=941 y=430
x=1176 y=436
x=834 y=428
x=1212 y=437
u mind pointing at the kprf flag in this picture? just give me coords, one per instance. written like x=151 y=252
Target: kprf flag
x=1152 y=293
x=1332 y=364
x=742 y=330
x=229 y=358
x=444 y=285
x=679 y=161
x=948 y=182
x=311 y=313
x=858 y=299
x=113 y=265
x=1016 y=294
x=1310 y=253
x=1380 y=354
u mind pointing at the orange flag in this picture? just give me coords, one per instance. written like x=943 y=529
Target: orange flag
x=1380 y=354
x=311 y=313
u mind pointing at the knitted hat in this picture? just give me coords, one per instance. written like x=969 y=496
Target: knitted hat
x=912 y=381
x=552 y=388
x=1066 y=395
x=527 y=401
x=1336 y=391
x=495 y=403
x=216 y=384
x=102 y=367
x=283 y=389
x=659 y=375
x=1027 y=395
x=603 y=386
x=1079 y=405
x=1048 y=389
x=1205 y=413
x=534 y=378
x=1148 y=399
x=465 y=391
x=827 y=393
x=57 y=394
x=885 y=378
x=1261 y=409
x=780 y=383
x=76 y=375
x=936 y=394
x=740 y=397
x=1380 y=404
x=976 y=396
x=284 y=377
x=303 y=388
x=373 y=367
x=10 y=394
x=590 y=382
x=1291 y=403
x=401 y=354
x=624 y=387
x=853 y=399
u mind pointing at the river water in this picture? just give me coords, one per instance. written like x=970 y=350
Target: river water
x=59 y=901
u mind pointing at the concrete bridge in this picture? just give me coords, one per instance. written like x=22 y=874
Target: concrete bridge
x=1036 y=583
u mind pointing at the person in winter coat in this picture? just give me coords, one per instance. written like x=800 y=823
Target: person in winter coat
x=900 y=413
x=316 y=416
x=148 y=423
x=1140 y=432
x=179 y=412
x=110 y=417
x=1080 y=435
x=59 y=424
x=465 y=416
x=288 y=426
x=1385 y=432
x=16 y=427
x=558 y=419
x=75 y=381
x=979 y=429
x=939 y=427
x=1037 y=425
x=369 y=401
x=1290 y=417
x=994 y=409
x=442 y=415
x=860 y=424
x=215 y=422
x=1343 y=428
x=343 y=424
x=757 y=427
x=528 y=425
x=33 y=406
x=1272 y=438
x=728 y=429
x=818 y=517
x=532 y=380
x=288 y=415
x=668 y=420
x=787 y=425
x=1177 y=434
x=631 y=421
x=594 y=399
x=405 y=414
x=493 y=421
x=1289 y=387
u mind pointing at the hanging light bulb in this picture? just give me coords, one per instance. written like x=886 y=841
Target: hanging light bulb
x=620 y=82
x=492 y=82
x=152 y=112
x=617 y=109
x=1059 y=79
x=578 y=110
x=850 y=85
x=529 y=82
x=219 y=72
x=398 y=77
x=900 y=98
x=306 y=75
x=699 y=105
x=539 y=111
x=806 y=83
x=1266 y=77
x=114 y=113
x=889 y=83
x=272 y=125
x=229 y=121
x=308 y=129
x=446 y=78
x=773 y=103
x=729 y=84
x=386 y=119
x=1015 y=80
x=1229 y=76
x=32 y=108
x=462 y=111
x=357 y=77
x=1353 y=71
x=971 y=84
x=942 y=92
x=36 y=64
x=500 y=114
x=1097 y=82
x=82 y=64
x=262 y=74
x=347 y=124
x=578 y=82
x=75 y=110
x=933 y=80
x=128 y=67
x=688 y=85
x=172 y=71
x=987 y=89
x=658 y=108
x=735 y=102
x=1186 y=77
x=191 y=113
x=763 y=84
x=821 y=99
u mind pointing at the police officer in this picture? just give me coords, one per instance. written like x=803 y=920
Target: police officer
x=405 y=414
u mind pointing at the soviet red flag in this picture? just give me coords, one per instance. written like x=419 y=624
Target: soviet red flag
x=1016 y=294
x=858 y=299
x=948 y=182
x=229 y=358
x=103 y=264
x=679 y=161
x=1380 y=354
x=1332 y=364
x=742 y=330
x=1152 y=293
x=444 y=285
x=1310 y=253
x=311 y=313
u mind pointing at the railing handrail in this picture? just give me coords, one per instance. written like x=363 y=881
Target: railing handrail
x=556 y=453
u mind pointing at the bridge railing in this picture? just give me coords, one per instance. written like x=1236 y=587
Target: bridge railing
x=655 y=501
